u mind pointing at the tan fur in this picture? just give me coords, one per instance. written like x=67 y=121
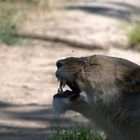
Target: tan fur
x=112 y=86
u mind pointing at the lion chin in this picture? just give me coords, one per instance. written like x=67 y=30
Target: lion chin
x=112 y=93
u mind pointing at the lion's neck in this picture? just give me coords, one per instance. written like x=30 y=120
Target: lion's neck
x=95 y=112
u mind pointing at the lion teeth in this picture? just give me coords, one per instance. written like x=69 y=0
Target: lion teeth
x=60 y=90
x=61 y=86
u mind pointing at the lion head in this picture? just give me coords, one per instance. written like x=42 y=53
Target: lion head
x=95 y=73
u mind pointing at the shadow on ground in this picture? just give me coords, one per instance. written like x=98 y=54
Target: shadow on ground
x=30 y=122
x=119 y=10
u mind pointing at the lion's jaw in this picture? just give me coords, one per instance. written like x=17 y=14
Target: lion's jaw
x=62 y=104
x=72 y=72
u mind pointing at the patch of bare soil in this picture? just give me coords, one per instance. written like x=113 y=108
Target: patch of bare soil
x=27 y=73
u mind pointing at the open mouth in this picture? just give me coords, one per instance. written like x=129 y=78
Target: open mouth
x=72 y=94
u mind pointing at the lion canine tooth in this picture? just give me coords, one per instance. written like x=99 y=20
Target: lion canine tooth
x=60 y=91
x=61 y=86
x=64 y=83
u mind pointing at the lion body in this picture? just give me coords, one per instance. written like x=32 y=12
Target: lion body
x=112 y=86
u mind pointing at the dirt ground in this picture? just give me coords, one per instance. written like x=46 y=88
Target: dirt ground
x=27 y=72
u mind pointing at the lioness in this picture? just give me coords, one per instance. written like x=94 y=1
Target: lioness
x=112 y=89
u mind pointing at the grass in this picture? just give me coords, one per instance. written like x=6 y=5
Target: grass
x=9 y=21
x=7 y=36
x=76 y=133
x=7 y=28
x=14 y=13
x=134 y=36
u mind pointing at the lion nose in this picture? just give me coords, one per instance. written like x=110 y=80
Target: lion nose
x=59 y=63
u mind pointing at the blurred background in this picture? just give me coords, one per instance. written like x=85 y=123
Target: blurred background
x=34 y=34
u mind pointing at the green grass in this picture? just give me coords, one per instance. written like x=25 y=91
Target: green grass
x=7 y=37
x=8 y=23
x=76 y=133
x=7 y=28
x=134 y=36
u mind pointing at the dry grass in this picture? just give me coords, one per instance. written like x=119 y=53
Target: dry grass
x=14 y=13
x=134 y=36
